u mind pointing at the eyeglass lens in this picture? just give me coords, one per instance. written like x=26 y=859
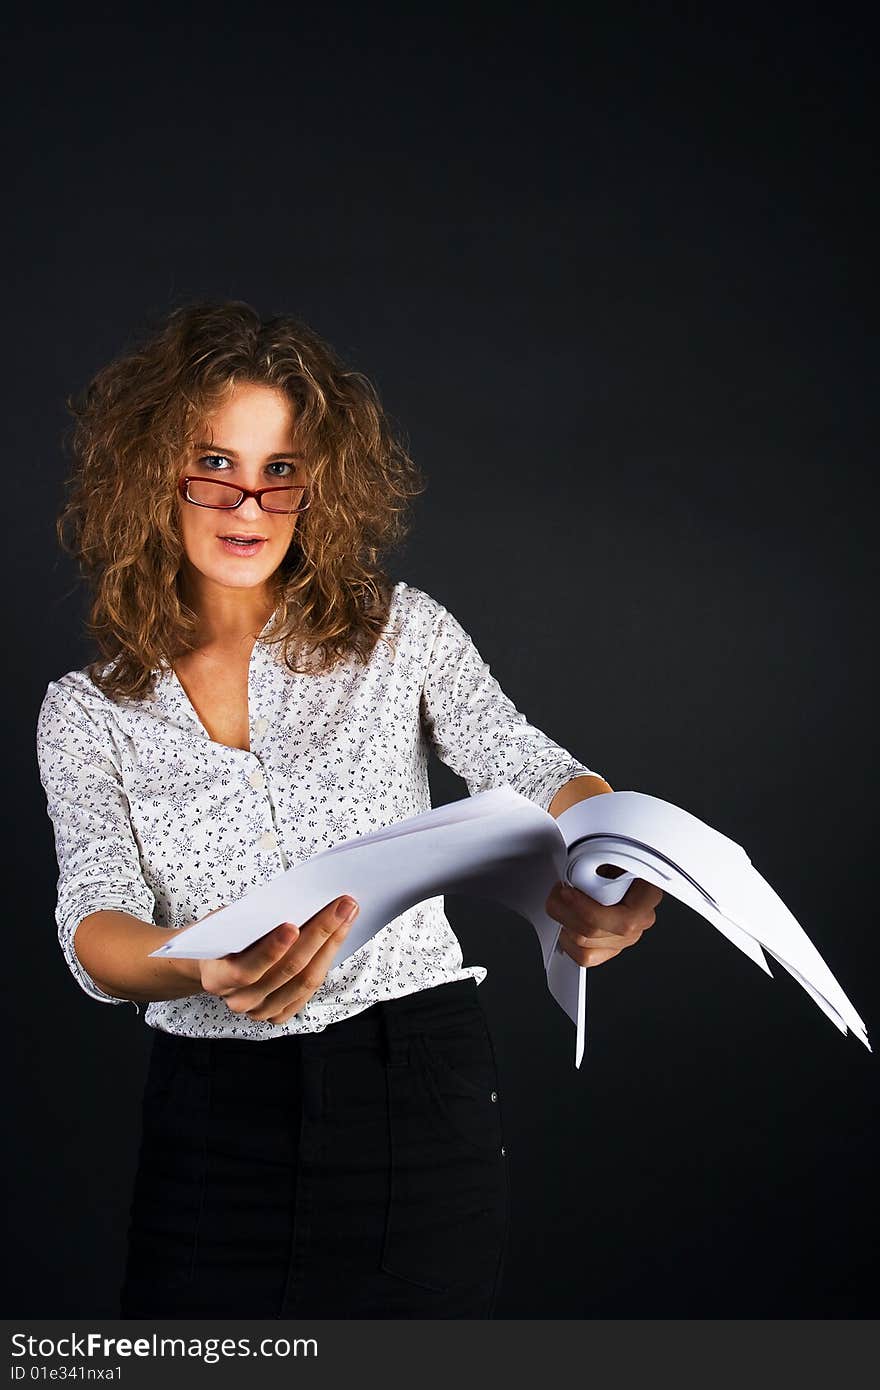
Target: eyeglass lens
x=210 y=494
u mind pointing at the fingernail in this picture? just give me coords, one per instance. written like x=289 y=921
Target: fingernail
x=288 y=932
x=346 y=910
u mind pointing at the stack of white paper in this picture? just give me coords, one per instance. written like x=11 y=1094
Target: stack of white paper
x=499 y=845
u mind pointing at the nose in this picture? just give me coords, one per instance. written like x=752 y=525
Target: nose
x=250 y=509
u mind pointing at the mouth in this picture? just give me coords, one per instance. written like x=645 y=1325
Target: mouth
x=237 y=544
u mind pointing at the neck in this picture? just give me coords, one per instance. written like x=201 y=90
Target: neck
x=227 y=617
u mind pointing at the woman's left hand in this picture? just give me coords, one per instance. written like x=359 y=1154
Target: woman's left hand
x=591 y=933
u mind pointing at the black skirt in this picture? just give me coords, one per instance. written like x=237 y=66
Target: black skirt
x=359 y=1172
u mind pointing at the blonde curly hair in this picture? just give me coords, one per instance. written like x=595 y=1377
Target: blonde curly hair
x=134 y=423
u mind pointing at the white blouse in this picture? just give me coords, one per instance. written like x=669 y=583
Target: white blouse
x=155 y=818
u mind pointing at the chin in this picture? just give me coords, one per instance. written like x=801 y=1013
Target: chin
x=242 y=581
x=236 y=574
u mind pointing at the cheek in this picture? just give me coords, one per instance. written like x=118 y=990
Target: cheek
x=287 y=532
x=196 y=531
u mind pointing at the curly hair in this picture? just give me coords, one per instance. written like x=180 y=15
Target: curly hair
x=133 y=424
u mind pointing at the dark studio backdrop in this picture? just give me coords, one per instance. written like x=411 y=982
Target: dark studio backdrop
x=613 y=276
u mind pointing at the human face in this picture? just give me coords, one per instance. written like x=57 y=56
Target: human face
x=248 y=440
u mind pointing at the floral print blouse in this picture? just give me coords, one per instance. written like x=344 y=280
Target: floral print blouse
x=155 y=818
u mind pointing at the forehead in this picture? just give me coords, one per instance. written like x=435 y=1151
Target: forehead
x=251 y=412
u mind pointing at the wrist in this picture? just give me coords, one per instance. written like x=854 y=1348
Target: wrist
x=186 y=969
x=578 y=789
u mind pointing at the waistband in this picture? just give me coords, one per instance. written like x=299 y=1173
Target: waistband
x=389 y=1021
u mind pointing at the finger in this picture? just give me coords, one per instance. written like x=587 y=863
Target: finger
x=238 y=969
x=288 y=993
x=581 y=914
x=248 y=967
x=589 y=954
x=303 y=967
x=594 y=936
x=322 y=925
x=641 y=894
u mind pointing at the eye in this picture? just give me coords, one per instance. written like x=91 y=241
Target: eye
x=280 y=463
x=210 y=459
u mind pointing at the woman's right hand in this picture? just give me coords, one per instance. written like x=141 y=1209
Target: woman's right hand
x=273 y=978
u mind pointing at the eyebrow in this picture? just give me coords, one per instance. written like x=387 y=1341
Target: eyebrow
x=219 y=449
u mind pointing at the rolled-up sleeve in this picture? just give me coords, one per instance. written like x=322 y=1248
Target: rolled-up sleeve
x=477 y=731
x=99 y=864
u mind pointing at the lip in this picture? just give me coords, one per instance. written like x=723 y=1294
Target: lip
x=240 y=536
x=243 y=551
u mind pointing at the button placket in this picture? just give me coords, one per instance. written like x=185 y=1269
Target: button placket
x=270 y=839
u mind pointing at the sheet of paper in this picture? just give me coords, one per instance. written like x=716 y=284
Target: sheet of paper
x=500 y=846
x=707 y=871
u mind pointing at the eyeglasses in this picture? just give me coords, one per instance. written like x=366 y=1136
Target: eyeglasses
x=211 y=492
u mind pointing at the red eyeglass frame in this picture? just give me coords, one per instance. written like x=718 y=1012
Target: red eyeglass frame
x=184 y=483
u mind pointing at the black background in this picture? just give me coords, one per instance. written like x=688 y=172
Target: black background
x=613 y=274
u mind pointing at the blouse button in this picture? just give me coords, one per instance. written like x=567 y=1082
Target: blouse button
x=268 y=841
x=257 y=780
x=260 y=726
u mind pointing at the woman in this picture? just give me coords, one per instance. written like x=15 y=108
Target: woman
x=317 y=1140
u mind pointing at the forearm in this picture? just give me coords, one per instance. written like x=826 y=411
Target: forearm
x=578 y=789
x=114 y=948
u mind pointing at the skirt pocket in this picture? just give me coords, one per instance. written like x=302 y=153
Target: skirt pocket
x=448 y=1202
x=459 y=1069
